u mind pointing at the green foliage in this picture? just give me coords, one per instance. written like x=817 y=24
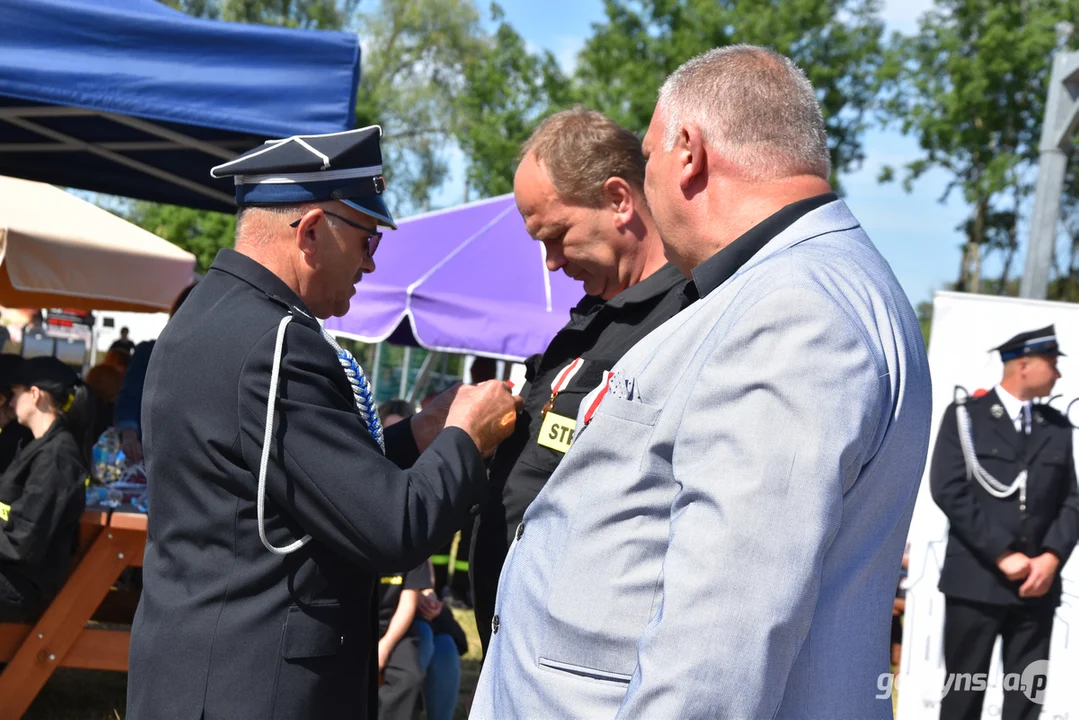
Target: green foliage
x=508 y=92
x=970 y=87
x=836 y=42
x=925 y=319
x=197 y=231
x=414 y=54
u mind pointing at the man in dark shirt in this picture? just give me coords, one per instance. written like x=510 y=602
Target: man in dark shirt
x=580 y=189
x=124 y=344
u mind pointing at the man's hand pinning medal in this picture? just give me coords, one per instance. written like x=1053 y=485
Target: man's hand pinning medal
x=487 y=412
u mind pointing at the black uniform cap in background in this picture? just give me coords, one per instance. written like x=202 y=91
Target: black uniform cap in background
x=46 y=373
x=1034 y=342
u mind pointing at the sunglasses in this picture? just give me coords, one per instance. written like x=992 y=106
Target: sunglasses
x=374 y=236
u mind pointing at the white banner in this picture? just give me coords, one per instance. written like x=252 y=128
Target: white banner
x=964 y=328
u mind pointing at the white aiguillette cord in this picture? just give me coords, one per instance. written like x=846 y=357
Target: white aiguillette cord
x=361 y=393
x=975 y=470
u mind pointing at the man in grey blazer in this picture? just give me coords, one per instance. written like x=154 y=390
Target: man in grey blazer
x=723 y=540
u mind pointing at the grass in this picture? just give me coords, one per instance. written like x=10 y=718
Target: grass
x=72 y=694
x=470 y=663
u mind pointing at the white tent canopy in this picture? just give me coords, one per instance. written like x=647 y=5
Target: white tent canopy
x=59 y=251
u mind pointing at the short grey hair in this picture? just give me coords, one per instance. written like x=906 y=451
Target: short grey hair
x=256 y=235
x=754 y=106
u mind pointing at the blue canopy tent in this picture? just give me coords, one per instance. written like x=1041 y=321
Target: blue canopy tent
x=129 y=97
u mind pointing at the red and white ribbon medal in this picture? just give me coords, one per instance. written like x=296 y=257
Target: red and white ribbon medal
x=605 y=386
x=557 y=431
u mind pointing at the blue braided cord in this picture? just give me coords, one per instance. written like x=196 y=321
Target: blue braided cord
x=361 y=390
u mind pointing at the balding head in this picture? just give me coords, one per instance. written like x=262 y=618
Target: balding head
x=754 y=106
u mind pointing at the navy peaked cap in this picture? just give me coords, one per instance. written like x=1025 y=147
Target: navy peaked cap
x=1034 y=342
x=344 y=166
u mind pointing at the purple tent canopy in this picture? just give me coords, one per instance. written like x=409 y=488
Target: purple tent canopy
x=468 y=280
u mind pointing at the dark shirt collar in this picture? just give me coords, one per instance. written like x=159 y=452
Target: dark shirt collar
x=717 y=269
x=259 y=276
x=655 y=285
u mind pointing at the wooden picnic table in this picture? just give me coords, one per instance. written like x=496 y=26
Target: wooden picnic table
x=109 y=542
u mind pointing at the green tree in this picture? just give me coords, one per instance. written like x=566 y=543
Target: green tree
x=415 y=52
x=508 y=91
x=836 y=42
x=412 y=68
x=199 y=232
x=970 y=87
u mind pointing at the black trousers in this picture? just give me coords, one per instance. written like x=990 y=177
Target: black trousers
x=453 y=571
x=970 y=630
x=401 y=693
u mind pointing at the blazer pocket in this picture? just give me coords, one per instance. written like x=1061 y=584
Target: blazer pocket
x=584 y=672
x=312 y=631
x=628 y=410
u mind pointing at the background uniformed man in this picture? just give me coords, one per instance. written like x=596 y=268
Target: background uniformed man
x=580 y=189
x=1004 y=475
x=276 y=498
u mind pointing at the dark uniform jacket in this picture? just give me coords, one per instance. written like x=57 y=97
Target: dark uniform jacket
x=225 y=628
x=981 y=526
x=12 y=437
x=42 y=496
x=600 y=333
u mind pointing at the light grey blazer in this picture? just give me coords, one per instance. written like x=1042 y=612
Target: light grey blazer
x=723 y=540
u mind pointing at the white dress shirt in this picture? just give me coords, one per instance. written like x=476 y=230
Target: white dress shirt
x=1017 y=410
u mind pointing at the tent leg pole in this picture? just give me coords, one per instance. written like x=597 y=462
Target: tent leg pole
x=421 y=379
x=402 y=387
x=377 y=365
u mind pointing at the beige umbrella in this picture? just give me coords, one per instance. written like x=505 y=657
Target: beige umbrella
x=59 y=251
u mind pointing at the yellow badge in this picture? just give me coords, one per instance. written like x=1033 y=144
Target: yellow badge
x=393 y=580
x=557 y=432
x=4 y=510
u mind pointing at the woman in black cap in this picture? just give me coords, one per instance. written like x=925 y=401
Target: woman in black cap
x=43 y=491
x=12 y=435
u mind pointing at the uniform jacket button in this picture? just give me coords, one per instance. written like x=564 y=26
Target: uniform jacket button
x=494 y=624
x=520 y=531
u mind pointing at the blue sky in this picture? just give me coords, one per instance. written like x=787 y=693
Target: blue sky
x=914 y=231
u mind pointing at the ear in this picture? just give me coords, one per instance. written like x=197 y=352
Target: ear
x=619 y=200
x=306 y=239
x=691 y=155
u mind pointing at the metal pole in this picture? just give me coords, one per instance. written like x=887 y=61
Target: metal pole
x=402 y=388
x=376 y=366
x=421 y=379
x=1061 y=118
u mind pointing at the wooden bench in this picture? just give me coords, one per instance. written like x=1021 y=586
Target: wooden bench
x=108 y=543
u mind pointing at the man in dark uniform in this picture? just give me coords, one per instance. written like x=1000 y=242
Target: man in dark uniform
x=276 y=498
x=1004 y=475
x=580 y=189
